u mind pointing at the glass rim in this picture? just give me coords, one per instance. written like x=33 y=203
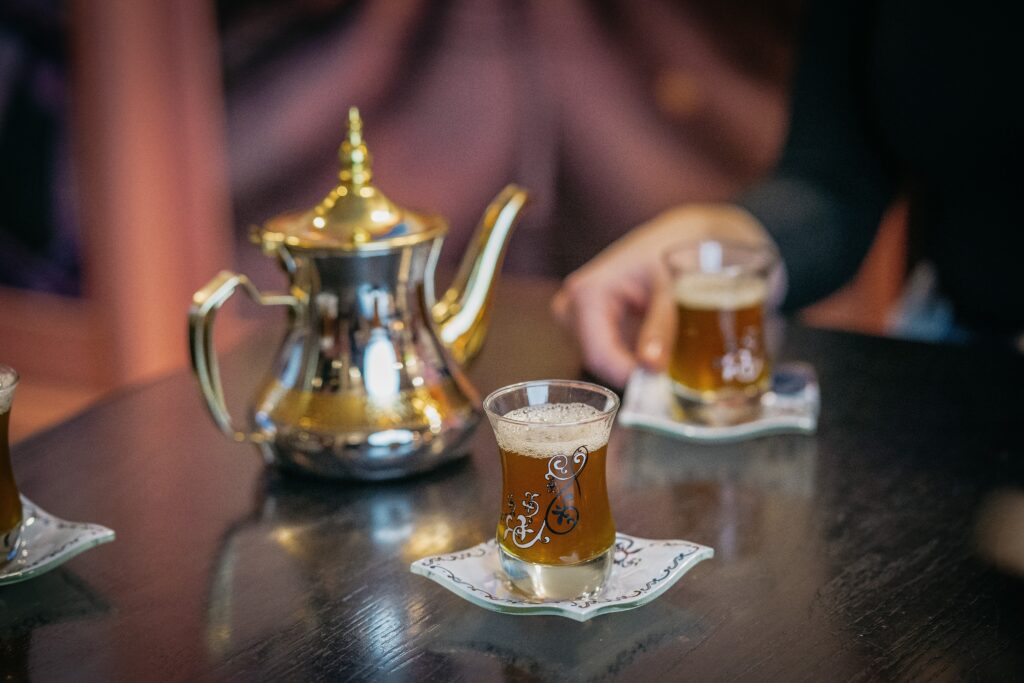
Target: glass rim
x=766 y=252
x=8 y=373
x=578 y=384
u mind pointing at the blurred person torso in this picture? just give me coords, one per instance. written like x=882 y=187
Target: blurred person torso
x=607 y=111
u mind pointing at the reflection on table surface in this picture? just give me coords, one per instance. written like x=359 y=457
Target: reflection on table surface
x=58 y=598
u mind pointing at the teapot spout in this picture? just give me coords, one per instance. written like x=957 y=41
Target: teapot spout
x=463 y=313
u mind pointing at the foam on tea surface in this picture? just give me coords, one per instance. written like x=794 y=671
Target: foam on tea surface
x=547 y=435
x=719 y=292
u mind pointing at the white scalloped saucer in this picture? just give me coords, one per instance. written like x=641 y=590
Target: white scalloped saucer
x=48 y=542
x=643 y=570
x=791 y=406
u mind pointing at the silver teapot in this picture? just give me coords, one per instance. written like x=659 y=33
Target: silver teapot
x=368 y=382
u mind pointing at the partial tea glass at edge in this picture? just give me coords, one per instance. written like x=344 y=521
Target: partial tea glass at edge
x=720 y=365
x=556 y=535
x=10 y=500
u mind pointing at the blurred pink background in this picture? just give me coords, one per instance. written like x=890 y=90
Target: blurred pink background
x=163 y=129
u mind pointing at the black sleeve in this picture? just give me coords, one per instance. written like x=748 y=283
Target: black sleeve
x=824 y=201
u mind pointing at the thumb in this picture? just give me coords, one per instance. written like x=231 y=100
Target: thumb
x=658 y=331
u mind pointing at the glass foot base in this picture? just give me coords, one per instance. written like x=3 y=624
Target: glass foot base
x=718 y=409
x=557 y=582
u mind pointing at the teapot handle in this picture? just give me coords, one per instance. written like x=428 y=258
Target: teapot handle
x=205 y=304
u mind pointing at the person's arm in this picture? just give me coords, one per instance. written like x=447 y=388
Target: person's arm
x=824 y=201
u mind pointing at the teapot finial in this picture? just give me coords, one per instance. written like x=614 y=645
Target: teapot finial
x=355 y=158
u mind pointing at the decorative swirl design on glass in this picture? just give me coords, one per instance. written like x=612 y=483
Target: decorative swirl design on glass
x=561 y=515
x=559 y=466
x=520 y=527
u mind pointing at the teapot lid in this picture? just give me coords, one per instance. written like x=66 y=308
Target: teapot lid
x=355 y=215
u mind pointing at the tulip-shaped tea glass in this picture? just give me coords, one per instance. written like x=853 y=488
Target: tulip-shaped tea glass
x=10 y=501
x=556 y=535
x=719 y=365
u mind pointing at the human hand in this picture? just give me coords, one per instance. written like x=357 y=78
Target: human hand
x=620 y=305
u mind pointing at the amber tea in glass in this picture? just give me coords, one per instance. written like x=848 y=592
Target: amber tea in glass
x=10 y=501
x=556 y=535
x=719 y=364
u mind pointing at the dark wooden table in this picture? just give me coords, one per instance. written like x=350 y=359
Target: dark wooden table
x=854 y=554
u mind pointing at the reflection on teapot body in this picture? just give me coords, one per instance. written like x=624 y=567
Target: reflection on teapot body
x=367 y=383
